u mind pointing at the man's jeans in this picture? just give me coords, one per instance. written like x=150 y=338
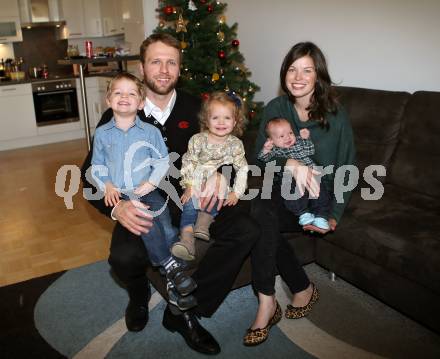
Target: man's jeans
x=162 y=234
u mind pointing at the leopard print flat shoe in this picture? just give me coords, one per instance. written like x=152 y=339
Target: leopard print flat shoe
x=300 y=312
x=257 y=336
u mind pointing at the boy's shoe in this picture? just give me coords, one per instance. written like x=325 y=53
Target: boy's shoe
x=185 y=248
x=306 y=218
x=321 y=223
x=183 y=283
x=201 y=228
x=181 y=302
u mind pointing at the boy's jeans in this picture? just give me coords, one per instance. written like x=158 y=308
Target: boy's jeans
x=162 y=234
x=190 y=212
x=320 y=206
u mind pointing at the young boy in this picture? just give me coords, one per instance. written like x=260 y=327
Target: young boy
x=129 y=160
x=281 y=142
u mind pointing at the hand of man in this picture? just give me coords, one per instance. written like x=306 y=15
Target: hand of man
x=214 y=189
x=132 y=215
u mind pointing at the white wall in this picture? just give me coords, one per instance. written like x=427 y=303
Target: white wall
x=381 y=44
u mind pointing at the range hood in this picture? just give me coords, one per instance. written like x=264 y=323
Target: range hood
x=41 y=13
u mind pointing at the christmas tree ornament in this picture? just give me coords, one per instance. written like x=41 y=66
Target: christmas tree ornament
x=168 y=10
x=161 y=24
x=181 y=24
x=202 y=1
x=221 y=54
x=252 y=114
x=210 y=8
x=192 y=6
x=204 y=96
x=222 y=19
x=215 y=77
x=183 y=44
x=235 y=43
x=221 y=36
x=250 y=89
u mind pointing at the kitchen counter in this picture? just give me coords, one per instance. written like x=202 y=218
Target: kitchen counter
x=98 y=60
x=57 y=77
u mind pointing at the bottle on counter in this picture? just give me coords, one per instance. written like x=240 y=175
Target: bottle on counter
x=89 y=49
x=2 y=69
x=45 y=71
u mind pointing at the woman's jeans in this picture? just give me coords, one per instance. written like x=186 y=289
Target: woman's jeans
x=162 y=234
x=190 y=212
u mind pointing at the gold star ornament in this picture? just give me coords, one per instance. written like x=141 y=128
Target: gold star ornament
x=181 y=24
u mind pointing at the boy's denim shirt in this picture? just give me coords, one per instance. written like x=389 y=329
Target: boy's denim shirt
x=128 y=158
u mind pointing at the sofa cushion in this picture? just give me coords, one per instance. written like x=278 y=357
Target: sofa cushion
x=399 y=232
x=417 y=155
x=375 y=116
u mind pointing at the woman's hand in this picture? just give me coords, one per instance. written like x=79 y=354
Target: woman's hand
x=232 y=199
x=332 y=223
x=214 y=190
x=111 y=197
x=304 y=177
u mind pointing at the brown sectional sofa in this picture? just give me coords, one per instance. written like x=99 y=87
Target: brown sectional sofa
x=390 y=247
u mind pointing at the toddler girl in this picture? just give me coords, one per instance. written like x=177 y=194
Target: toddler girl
x=221 y=119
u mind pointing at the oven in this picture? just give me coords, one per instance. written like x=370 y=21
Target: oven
x=55 y=102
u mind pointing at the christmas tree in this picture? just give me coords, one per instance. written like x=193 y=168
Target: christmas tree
x=211 y=57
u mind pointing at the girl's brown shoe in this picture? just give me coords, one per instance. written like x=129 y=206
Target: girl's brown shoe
x=300 y=312
x=257 y=336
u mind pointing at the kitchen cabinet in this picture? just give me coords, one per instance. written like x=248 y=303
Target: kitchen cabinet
x=73 y=14
x=10 y=27
x=111 y=12
x=18 y=115
x=92 y=18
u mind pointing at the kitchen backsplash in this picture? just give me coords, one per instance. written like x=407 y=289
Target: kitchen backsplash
x=42 y=45
x=45 y=45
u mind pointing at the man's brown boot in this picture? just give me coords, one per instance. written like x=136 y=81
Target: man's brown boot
x=185 y=248
x=201 y=228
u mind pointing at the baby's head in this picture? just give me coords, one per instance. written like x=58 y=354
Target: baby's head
x=125 y=93
x=280 y=132
x=223 y=114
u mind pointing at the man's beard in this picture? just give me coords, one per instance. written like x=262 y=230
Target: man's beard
x=160 y=90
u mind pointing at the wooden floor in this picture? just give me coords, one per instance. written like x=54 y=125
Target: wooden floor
x=38 y=234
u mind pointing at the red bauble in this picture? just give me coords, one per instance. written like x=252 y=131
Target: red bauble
x=202 y=1
x=235 y=43
x=210 y=8
x=252 y=114
x=221 y=54
x=204 y=96
x=168 y=10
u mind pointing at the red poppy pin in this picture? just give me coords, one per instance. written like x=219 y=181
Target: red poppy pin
x=183 y=124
